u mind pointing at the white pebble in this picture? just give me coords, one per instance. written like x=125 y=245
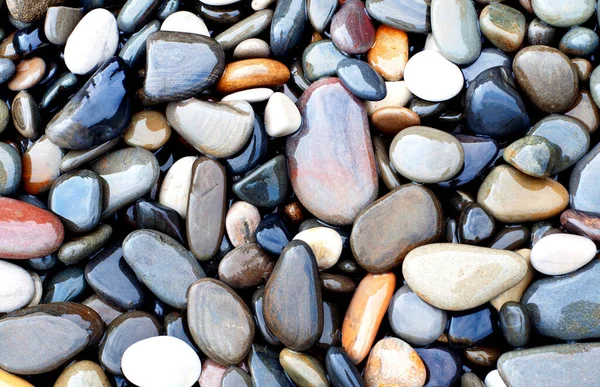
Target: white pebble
x=430 y=44
x=250 y=95
x=218 y=3
x=251 y=48
x=184 y=21
x=257 y=5
x=325 y=243
x=559 y=254
x=397 y=95
x=282 y=117
x=16 y=287
x=431 y=77
x=493 y=379
x=175 y=188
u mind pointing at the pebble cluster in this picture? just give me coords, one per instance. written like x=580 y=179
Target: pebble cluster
x=236 y=193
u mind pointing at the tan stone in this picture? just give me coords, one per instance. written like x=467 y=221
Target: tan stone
x=393 y=362
x=516 y=292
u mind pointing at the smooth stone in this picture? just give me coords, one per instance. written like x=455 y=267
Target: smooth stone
x=126 y=330
x=482 y=356
x=28 y=73
x=460 y=277
x=26 y=116
x=552 y=365
x=493 y=379
x=42 y=338
x=579 y=41
x=304 y=370
x=93 y=41
x=223 y=16
x=442 y=363
x=28 y=11
x=320 y=59
x=336 y=201
x=580 y=223
x=455 y=30
x=157 y=217
x=382 y=155
x=251 y=27
x=430 y=76
x=365 y=313
x=391 y=120
x=205 y=222
x=414 y=320
x=252 y=73
x=251 y=48
x=560 y=254
x=332 y=324
x=361 y=79
x=59 y=91
x=493 y=106
x=540 y=33
x=245 y=266
x=257 y=5
x=259 y=317
x=426 y=155
x=265 y=368
x=184 y=22
x=469 y=328
x=479 y=152
x=539 y=198
x=413 y=217
x=514 y=323
x=287 y=26
x=127 y=175
x=226 y=126
x=583 y=67
x=29 y=40
x=60 y=23
x=17 y=287
x=470 y=379
x=135 y=48
x=162 y=264
x=489 y=58
x=554 y=305
x=389 y=52
x=341 y=370
x=7 y=49
x=559 y=14
x=556 y=90
x=320 y=13
x=4 y=115
x=273 y=234
x=191 y=50
x=134 y=14
x=112 y=279
x=335 y=283
x=282 y=117
x=475 y=226
x=504 y=26
x=175 y=187
x=351 y=28
x=565 y=133
x=66 y=285
x=10 y=170
x=241 y=222
x=175 y=325
x=511 y=238
x=292 y=302
x=19 y=221
x=211 y=374
x=515 y=293
x=409 y=16
x=258 y=94
x=393 y=362
x=595 y=86
x=397 y=95
x=148 y=129
x=76 y=198
x=98 y=112
x=585 y=110
x=266 y=186
x=236 y=377
x=583 y=183
x=325 y=243
x=106 y=311
x=77 y=249
x=533 y=155
x=82 y=373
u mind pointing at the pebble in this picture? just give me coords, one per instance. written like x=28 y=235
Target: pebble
x=65 y=285
x=292 y=303
x=10 y=170
x=26 y=116
x=251 y=48
x=515 y=325
x=395 y=363
x=185 y=22
x=320 y=13
x=320 y=59
x=558 y=14
x=273 y=234
x=76 y=158
x=28 y=11
x=389 y=52
x=60 y=23
x=304 y=370
x=490 y=57
x=265 y=368
x=7 y=69
x=211 y=373
x=241 y=223
x=148 y=129
x=382 y=156
x=17 y=289
x=363 y=317
x=469 y=379
x=493 y=379
x=325 y=243
x=258 y=94
x=259 y=317
x=471 y=327
x=157 y=217
x=582 y=184
x=482 y=356
x=351 y=28
x=556 y=90
x=585 y=110
x=4 y=116
x=134 y=14
x=560 y=254
x=430 y=76
x=250 y=73
x=460 y=277
x=287 y=26
x=251 y=27
x=533 y=155
x=93 y=41
x=361 y=79
x=443 y=364
x=475 y=226
x=7 y=49
x=236 y=377
x=414 y=320
x=230 y=124
x=516 y=292
x=175 y=187
x=28 y=73
x=245 y=266
x=397 y=95
x=282 y=117
x=580 y=223
x=135 y=48
x=76 y=249
x=347 y=178
x=579 y=41
x=106 y=311
x=455 y=30
x=82 y=373
x=540 y=33
x=341 y=370
x=409 y=16
x=391 y=120
x=504 y=26
x=426 y=155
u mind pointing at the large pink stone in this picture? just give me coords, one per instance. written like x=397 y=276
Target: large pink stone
x=331 y=162
x=27 y=231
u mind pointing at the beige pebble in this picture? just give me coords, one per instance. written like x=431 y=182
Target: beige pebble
x=258 y=94
x=325 y=243
x=282 y=117
x=559 y=254
x=175 y=188
x=516 y=292
x=398 y=95
x=241 y=222
x=251 y=48
x=393 y=362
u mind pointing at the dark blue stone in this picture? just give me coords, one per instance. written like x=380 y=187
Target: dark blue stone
x=340 y=369
x=43 y=264
x=59 y=91
x=469 y=328
x=176 y=326
x=167 y=8
x=252 y=153
x=272 y=234
x=443 y=365
x=28 y=40
x=134 y=14
x=287 y=26
x=361 y=79
x=161 y=218
x=479 y=154
x=67 y=285
x=266 y=186
x=489 y=57
x=135 y=48
x=265 y=368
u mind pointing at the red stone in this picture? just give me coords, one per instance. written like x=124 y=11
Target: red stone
x=27 y=231
x=351 y=28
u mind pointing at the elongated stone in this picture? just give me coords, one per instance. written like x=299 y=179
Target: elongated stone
x=250 y=27
x=409 y=16
x=75 y=250
x=287 y=26
x=559 y=254
x=175 y=187
x=252 y=73
x=135 y=48
x=455 y=30
x=134 y=14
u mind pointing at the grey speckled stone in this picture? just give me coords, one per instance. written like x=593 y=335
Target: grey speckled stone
x=406 y=15
x=533 y=155
x=7 y=69
x=579 y=41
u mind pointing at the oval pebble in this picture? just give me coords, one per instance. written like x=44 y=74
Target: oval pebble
x=430 y=76
x=559 y=254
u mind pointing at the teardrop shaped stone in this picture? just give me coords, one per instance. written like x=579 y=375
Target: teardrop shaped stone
x=266 y=186
x=351 y=28
x=292 y=303
x=287 y=26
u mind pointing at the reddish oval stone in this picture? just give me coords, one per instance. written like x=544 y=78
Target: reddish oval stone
x=27 y=231
x=351 y=28
x=331 y=161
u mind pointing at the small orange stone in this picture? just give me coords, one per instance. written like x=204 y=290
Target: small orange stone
x=148 y=129
x=10 y=380
x=389 y=53
x=28 y=74
x=365 y=312
x=315 y=37
x=41 y=165
x=391 y=120
x=251 y=73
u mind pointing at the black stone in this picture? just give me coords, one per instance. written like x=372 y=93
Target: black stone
x=489 y=57
x=361 y=79
x=266 y=186
x=135 y=48
x=272 y=234
x=265 y=368
x=287 y=26
x=511 y=238
x=259 y=317
x=28 y=40
x=252 y=153
x=514 y=323
x=135 y=13
x=470 y=327
x=340 y=369
x=59 y=91
x=155 y=216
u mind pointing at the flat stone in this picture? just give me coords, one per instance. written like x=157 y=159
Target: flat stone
x=455 y=30
x=460 y=277
x=351 y=28
x=82 y=372
x=28 y=73
x=579 y=41
x=245 y=266
x=148 y=129
x=287 y=26
x=320 y=59
x=391 y=120
x=16 y=289
x=409 y=16
x=304 y=370
x=266 y=186
x=250 y=73
x=77 y=249
x=175 y=187
x=325 y=243
x=282 y=117
x=26 y=116
x=258 y=94
x=74 y=159
x=504 y=26
x=515 y=325
x=365 y=313
x=162 y=264
x=241 y=222
x=106 y=311
x=585 y=110
x=334 y=200
x=10 y=170
x=430 y=76
x=361 y=79
x=7 y=49
x=200 y=63
x=556 y=90
x=539 y=198
x=533 y=155
x=157 y=217
x=389 y=52
x=248 y=28
x=184 y=22
x=558 y=14
x=394 y=362
x=215 y=129
x=397 y=95
x=560 y=254
x=265 y=368
x=60 y=23
x=251 y=48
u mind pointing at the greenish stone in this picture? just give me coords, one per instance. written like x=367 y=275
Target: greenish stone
x=504 y=26
x=532 y=155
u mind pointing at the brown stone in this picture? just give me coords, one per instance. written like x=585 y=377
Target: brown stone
x=389 y=53
x=41 y=165
x=27 y=74
x=580 y=223
x=585 y=110
x=391 y=120
x=583 y=67
x=148 y=129
x=483 y=356
x=293 y=211
x=82 y=373
x=336 y=283
x=387 y=174
x=251 y=73
x=29 y=11
x=393 y=362
x=245 y=266
x=7 y=49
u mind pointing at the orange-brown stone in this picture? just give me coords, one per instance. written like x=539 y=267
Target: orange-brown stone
x=41 y=166
x=389 y=53
x=28 y=74
x=393 y=362
x=251 y=73
x=391 y=120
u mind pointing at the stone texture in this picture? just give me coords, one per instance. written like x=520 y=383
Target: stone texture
x=393 y=362
x=455 y=30
x=389 y=52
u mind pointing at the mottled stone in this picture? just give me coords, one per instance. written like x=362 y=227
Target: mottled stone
x=504 y=26
x=395 y=363
x=241 y=223
x=26 y=116
x=351 y=28
x=533 y=155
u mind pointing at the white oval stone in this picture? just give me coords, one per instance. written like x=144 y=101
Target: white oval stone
x=250 y=95
x=161 y=361
x=252 y=48
x=397 y=95
x=93 y=41
x=184 y=21
x=257 y=5
x=325 y=243
x=431 y=77
x=175 y=188
x=493 y=379
x=16 y=287
x=559 y=254
x=282 y=117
